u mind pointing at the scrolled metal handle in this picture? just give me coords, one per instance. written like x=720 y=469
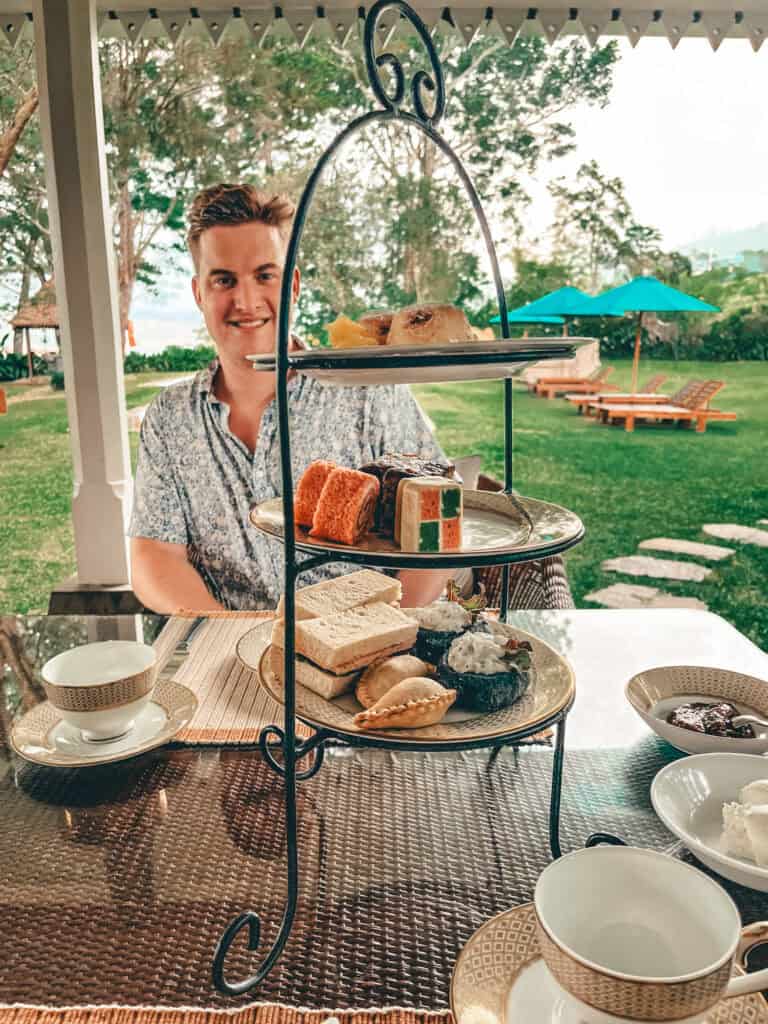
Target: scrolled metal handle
x=316 y=743
x=264 y=746
x=603 y=838
x=249 y=920
x=421 y=82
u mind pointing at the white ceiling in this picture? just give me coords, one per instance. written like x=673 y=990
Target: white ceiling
x=675 y=19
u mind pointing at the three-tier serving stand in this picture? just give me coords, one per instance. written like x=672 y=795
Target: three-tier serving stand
x=279 y=746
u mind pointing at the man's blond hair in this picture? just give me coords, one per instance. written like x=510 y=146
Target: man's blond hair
x=236 y=204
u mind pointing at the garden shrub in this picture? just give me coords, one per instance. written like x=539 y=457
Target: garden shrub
x=174 y=359
x=14 y=366
x=57 y=380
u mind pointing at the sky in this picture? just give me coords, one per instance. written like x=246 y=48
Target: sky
x=685 y=129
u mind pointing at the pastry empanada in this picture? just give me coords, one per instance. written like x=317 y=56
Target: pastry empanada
x=411 y=704
x=385 y=673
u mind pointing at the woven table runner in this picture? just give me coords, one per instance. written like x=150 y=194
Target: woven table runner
x=232 y=706
x=268 y=1013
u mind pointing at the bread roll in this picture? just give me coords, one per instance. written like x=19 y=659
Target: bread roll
x=430 y=324
x=379 y=324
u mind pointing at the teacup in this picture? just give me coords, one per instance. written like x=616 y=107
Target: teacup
x=631 y=935
x=100 y=688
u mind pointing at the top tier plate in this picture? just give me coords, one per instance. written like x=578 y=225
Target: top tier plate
x=423 y=364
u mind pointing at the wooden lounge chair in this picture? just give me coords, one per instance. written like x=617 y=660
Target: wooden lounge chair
x=692 y=409
x=534 y=384
x=592 y=385
x=646 y=394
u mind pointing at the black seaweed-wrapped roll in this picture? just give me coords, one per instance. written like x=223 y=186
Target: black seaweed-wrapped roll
x=488 y=672
x=440 y=623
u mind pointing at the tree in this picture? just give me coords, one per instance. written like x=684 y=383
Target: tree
x=595 y=230
x=505 y=114
x=18 y=98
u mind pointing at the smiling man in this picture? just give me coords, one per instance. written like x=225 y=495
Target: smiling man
x=209 y=447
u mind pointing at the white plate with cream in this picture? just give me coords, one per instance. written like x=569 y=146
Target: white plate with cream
x=688 y=795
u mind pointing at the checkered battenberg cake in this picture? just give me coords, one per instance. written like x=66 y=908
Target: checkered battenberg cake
x=428 y=514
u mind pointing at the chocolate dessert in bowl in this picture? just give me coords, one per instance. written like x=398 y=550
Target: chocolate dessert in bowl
x=100 y=688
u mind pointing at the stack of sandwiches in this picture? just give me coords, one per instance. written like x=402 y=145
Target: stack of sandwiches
x=342 y=625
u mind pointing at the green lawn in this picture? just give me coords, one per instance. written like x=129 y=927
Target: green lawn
x=655 y=482
x=626 y=487
x=37 y=549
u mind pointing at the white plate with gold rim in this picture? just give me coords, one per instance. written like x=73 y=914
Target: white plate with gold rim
x=552 y=688
x=398 y=364
x=43 y=737
x=500 y=978
x=493 y=523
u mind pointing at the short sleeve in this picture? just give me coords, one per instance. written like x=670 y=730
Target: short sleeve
x=158 y=512
x=398 y=424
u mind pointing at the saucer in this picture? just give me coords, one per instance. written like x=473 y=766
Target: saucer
x=500 y=978
x=42 y=736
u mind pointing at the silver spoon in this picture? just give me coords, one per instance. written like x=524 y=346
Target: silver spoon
x=749 y=720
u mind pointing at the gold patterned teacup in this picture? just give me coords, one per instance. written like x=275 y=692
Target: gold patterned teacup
x=100 y=688
x=631 y=935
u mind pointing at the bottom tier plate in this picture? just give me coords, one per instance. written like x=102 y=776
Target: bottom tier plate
x=552 y=689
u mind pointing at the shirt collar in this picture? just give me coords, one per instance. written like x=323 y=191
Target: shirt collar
x=206 y=377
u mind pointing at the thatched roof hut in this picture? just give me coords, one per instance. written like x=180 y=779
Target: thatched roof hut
x=41 y=310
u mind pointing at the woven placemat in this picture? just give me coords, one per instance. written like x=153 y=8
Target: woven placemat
x=232 y=707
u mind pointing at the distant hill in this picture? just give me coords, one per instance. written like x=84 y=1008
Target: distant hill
x=727 y=244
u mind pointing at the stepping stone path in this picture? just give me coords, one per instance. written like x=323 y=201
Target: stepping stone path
x=687 y=547
x=657 y=568
x=732 y=531
x=634 y=595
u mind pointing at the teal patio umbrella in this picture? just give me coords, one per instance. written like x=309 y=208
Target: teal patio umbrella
x=561 y=302
x=642 y=295
x=558 y=304
x=519 y=316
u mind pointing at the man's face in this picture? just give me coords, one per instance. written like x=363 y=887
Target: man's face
x=237 y=287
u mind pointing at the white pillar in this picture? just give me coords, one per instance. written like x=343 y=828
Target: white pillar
x=86 y=287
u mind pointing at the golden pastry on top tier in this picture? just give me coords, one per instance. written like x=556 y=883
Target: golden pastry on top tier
x=377 y=323
x=429 y=324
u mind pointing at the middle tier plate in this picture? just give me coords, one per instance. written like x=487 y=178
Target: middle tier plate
x=550 y=693
x=424 y=364
x=496 y=529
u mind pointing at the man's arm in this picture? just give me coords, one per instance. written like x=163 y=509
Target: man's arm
x=423 y=586
x=165 y=580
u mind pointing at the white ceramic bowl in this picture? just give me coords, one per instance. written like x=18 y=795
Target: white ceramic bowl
x=657 y=691
x=100 y=688
x=688 y=795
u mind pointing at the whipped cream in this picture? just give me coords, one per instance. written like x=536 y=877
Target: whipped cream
x=745 y=824
x=477 y=652
x=441 y=616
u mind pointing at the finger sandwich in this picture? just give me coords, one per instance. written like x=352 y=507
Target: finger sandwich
x=344 y=592
x=331 y=650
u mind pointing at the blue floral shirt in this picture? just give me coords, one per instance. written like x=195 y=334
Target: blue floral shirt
x=196 y=482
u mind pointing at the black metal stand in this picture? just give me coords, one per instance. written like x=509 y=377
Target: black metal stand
x=275 y=741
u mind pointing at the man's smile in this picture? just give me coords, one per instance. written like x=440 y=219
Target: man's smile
x=249 y=323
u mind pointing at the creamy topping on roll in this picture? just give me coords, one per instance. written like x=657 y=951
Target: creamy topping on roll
x=442 y=616
x=477 y=652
